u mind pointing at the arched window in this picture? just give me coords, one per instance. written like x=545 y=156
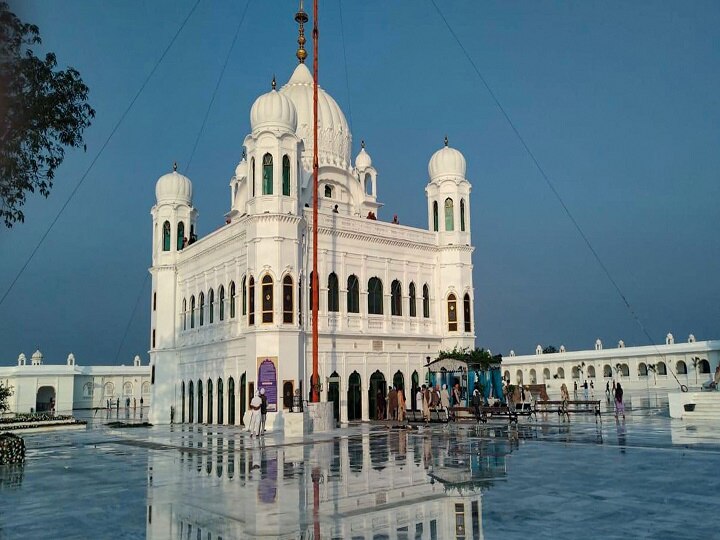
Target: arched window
x=333 y=293
x=704 y=366
x=642 y=369
x=201 y=301
x=449 y=215
x=192 y=312
x=166 y=236
x=211 y=302
x=231 y=401
x=452 y=313
x=180 y=235
x=546 y=374
x=232 y=299
x=267 y=299
x=466 y=313
x=607 y=371
x=353 y=294
x=252 y=169
x=244 y=296
x=221 y=301
x=435 y=216
x=661 y=368
x=681 y=368
x=426 y=301
x=413 y=300
x=396 y=298
x=560 y=373
x=310 y=295
x=267 y=176
x=328 y=191
x=368 y=184
x=375 y=296
x=462 y=215
x=286 y=176
x=287 y=299
x=184 y=314
x=251 y=301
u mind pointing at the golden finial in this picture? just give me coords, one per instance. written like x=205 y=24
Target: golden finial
x=362 y=144
x=446 y=141
x=175 y=166
x=301 y=18
x=273 y=82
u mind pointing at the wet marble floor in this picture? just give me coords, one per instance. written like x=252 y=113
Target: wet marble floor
x=646 y=477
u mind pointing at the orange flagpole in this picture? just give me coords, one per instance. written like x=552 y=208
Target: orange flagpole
x=315 y=281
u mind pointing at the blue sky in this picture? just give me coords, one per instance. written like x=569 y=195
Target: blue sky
x=618 y=101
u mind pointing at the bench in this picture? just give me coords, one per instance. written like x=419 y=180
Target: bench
x=436 y=415
x=572 y=406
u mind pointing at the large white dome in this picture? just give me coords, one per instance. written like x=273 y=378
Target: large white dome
x=273 y=111
x=446 y=162
x=333 y=132
x=173 y=187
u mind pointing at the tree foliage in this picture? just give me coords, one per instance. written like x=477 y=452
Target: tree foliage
x=42 y=111
x=473 y=357
x=5 y=393
x=550 y=349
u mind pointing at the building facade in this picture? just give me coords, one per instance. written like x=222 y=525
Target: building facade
x=664 y=366
x=40 y=387
x=231 y=311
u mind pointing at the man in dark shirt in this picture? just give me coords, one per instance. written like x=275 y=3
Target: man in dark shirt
x=263 y=411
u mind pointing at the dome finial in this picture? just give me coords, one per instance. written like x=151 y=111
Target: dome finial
x=175 y=166
x=244 y=154
x=362 y=144
x=446 y=140
x=274 y=84
x=301 y=18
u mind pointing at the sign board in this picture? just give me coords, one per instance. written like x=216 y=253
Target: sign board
x=267 y=379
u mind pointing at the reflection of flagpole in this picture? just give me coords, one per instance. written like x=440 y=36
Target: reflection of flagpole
x=316 y=500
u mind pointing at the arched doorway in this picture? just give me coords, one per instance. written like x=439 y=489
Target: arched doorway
x=376 y=395
x=415 y=378
x=200 y=402
x=191 y=402
x=243 y=400
x=45 y=400
x=231 y=401
x=334 y=394
x=399 y=381
x=182 y=395
x=209 y=402
x=220 y=401
x=288 y=391
x=354 y=397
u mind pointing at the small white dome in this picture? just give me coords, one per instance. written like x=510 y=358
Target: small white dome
x=241 y=169
x=446 y=162
x=173 y=187
x=363 y=159
x=273 y=111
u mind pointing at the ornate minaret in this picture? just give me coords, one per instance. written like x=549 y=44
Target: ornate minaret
x=448 y=194
x=174 y=228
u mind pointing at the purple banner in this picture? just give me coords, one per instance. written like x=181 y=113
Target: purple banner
x=267 y=379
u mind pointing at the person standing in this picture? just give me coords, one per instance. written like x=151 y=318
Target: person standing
x=141 y=403
x=619 y=404
x=419 y=400
x=456 y=395
x=380 y=405
x=401 y=404
x=592 y=390
x=586 y=394
x=607 y=391
x=393 y=403
x=426 y=404
x=445 y=400
x=476 y=403
x=575 y=389
x=254 y=426
x=263 y=410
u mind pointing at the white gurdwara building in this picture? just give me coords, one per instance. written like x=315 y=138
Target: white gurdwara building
x=231 y=311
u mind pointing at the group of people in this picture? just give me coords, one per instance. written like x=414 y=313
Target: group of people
x=617 y=394
x=438 y=399
x=109 y=403
x=258 y=414
x=392 y=406
x=588 y=390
